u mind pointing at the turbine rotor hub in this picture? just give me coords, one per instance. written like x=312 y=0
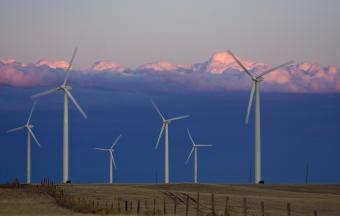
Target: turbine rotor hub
x=259 y=79
x=66 y=87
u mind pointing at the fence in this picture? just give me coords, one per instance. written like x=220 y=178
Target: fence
x=173 y=204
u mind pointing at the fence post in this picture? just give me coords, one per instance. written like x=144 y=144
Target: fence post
x=164 y=207
x=187 y=206
x=262 y=208
x=126 y=205
x=154 y=207
x=175 y=207
x=226 y=213
x=245 y=206
x=198 y=204
x=138 y=206
x=288 y=209
x=119 y=209
x=213 y=204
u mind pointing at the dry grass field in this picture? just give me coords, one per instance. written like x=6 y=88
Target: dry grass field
x=232 y=200
x=30 y=202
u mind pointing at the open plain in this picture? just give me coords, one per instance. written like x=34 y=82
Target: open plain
x=182 y=199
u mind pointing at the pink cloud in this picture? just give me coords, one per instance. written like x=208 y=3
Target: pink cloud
x=279 y=77
x=13 y=77
x=106 y=65
x=7 y=61
x=158 y=66
x=53 y=64
x=220 y=72
x=222 y=61
x=164 y=66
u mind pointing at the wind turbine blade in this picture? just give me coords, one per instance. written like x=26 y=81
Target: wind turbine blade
x=250 y=103
x=160 y=135
x=35 y=139
x=75 y=102
x=239 y=63
x=191 y=139
x=101 y=149
x=203 y=145
x=157 y=109
x=32 y=109
x=115 y=142
x=178 y=118
x=69 y=66
x=192 y=150
x=113 y=160
x=45 y=93
x=15 y=129
x=274 y=68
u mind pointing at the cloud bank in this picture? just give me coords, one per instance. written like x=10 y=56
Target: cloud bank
x=219 y=73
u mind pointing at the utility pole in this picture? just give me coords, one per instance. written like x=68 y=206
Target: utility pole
x=307 y=173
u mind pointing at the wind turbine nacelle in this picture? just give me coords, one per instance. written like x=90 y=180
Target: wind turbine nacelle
x=259 y=79
x=30 y=126
x=68 y=87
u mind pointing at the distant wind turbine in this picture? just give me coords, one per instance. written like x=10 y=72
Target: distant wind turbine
x=67 y=95
x=28 y=126
x=255 y=90
x=195 y=149
x=112 y=160
x=165 y=126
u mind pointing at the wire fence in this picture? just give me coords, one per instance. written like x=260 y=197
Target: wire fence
x=171 y=203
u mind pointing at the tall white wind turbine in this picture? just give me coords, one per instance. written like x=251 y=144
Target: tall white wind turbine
x=28 y=126
x=67 y=95
x=165 y=126
x=255 y=90
x=195 y=149
x=112 y=160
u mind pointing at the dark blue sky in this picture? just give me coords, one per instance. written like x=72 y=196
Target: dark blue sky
x=296 y=128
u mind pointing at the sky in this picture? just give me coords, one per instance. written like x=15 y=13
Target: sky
x=299 y=103
x=296 y=129
x=136 y=32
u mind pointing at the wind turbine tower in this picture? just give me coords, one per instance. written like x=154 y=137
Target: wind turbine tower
x=66 y=89
x=195 y=150
x=255 y=90
x=28 y=126
x=165 y=127
x=112 y=160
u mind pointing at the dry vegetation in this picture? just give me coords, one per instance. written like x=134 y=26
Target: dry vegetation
x=30 y=202
x=232 y=200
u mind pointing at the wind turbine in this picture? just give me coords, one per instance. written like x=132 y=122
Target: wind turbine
x=28 y=126
x=112 y=160
x=195 y=149
x=67 y=95
x=255 y=90
x=165 y=126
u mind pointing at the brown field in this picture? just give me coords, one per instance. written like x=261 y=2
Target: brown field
x=303 y=199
